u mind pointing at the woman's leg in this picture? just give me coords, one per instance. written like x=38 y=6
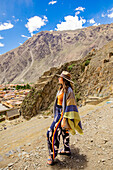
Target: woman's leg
x=53 y=136
x=65 y=136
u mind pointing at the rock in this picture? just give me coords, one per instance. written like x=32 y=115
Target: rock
x=28 y=144
x=37 y=148
x=1 y=158
x=77 y=160
x=91 y=140
x=36 y=164
x=27 y=156
x=7 y=155
x=26 y=168
x=6 y=168
x=24 y=153
x=103 y=160
x=89 y=148
x=11 y=164
x=45 y=117
x=11 y=152
x=3 y=125
x=16 y=161
x=111 y=106
x=18 y=149
x=19 y=154
x=105 y=140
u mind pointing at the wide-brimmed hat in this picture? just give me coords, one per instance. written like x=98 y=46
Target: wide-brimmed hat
x=66 y=75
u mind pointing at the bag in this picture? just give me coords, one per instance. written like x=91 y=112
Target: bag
x=65 y=124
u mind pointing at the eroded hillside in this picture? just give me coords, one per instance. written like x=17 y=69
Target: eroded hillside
x=92 y=75
x=50 y=49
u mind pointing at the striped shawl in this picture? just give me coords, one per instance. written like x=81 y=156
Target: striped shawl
x=70 y=111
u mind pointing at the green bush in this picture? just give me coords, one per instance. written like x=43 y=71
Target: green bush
x=5 y=88
x=27 y=86
x=86 y=63
x=70 y=67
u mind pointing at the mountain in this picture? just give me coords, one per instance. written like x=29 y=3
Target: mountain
x=50 y=49
x=92 y=76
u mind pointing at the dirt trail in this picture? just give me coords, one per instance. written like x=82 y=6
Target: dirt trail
x=23 y=145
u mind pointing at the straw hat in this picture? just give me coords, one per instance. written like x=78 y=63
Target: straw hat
x=66 y=75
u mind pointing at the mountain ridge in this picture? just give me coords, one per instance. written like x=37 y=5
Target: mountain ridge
x=47 y=49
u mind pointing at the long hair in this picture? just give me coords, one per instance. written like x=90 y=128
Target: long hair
x=65 y=85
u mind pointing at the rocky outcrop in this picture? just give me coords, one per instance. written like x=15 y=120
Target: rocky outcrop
x=98 y=76
x=50 y=49
x=92 y=76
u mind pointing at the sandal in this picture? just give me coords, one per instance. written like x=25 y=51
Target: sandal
x=50 y=161
x=62 y=152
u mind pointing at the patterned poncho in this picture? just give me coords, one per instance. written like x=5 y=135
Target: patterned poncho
x=70 y=111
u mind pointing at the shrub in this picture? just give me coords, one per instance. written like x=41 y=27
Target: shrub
x=77 y=96
x=27 y=86
x=86 y=63
x=70 y=67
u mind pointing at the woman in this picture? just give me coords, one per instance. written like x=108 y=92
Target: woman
x=65 y=109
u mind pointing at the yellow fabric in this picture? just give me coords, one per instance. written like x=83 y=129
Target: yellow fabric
x=74 y=126
x=72 y=115
x=71 y=112
x=71 y=101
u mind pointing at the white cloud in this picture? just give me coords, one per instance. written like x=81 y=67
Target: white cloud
x=110 y=15
x=110 y=10
x=20 y=43
x=1 y=37
x=45 y=18
x=24 y=36
x=96 y=24
x=6 y=26
x=16 y=20
x=80 y=9
x=71 y=23
x=35 y=23
x=103 y=15
x=52 y=2
x=77 y=13
x=92 y=21
x=1 y=45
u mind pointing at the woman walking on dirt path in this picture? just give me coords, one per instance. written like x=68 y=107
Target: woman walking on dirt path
x=66 y=118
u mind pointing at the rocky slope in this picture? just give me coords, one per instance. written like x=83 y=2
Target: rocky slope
x=50 y=49
x=92 y=76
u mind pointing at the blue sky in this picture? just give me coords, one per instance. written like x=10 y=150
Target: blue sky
x=20 y=19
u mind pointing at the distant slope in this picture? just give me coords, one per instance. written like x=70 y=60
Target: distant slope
x=47 y=49
x=92 y=76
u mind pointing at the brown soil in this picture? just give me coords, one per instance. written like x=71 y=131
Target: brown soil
x=23 y=143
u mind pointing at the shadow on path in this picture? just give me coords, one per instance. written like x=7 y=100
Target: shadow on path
x=75 y=161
